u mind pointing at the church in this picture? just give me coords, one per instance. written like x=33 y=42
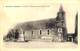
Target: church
x=53 y=29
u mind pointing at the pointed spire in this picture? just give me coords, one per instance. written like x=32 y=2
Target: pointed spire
x=61 y=8
x=60 y=13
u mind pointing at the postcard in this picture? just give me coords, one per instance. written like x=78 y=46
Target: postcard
x=39 y=24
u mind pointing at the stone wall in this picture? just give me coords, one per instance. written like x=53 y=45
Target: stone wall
x=44 y=34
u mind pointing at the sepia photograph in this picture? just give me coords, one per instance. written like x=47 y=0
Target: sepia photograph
x=39 y=24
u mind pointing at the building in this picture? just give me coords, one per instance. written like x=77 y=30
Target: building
x=53 y=29
x=73 y=37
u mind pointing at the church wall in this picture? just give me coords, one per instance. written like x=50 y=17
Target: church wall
x=43 y=34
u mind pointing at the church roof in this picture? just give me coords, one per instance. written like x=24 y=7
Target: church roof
x=40 y=24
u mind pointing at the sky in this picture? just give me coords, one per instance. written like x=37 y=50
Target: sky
x=29 y=10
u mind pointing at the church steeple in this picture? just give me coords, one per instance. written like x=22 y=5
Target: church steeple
x=60 y=24
x=61 y=13
x=61 y=8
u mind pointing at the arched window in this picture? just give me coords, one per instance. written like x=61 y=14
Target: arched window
x=40 y=32
x=32 y=32
x=48 y=32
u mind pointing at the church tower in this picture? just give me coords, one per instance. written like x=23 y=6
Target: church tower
x=61 y=25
